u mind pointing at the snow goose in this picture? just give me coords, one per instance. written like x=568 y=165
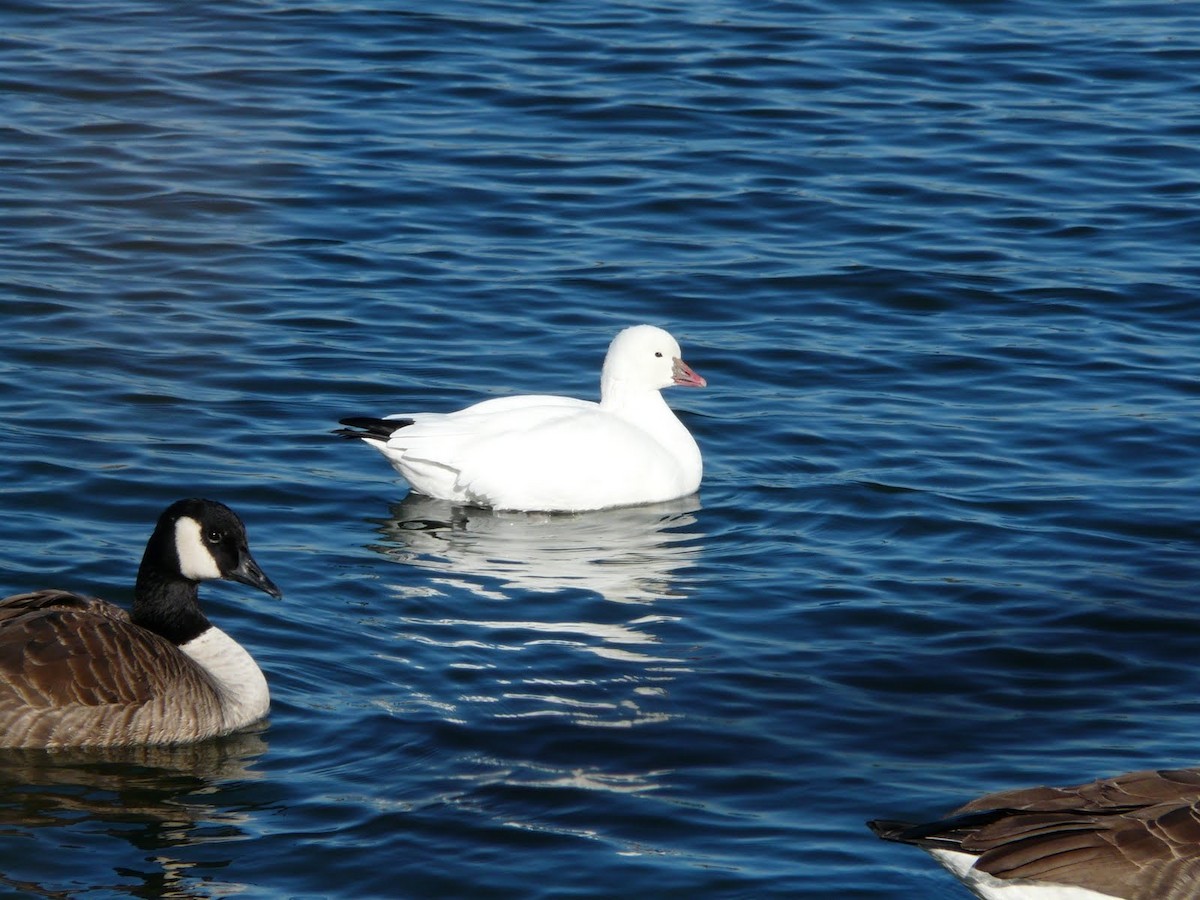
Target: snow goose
x=555 y=454
x=1133 y=837
x=77 y=671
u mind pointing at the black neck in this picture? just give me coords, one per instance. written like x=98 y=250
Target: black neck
x=168 y=606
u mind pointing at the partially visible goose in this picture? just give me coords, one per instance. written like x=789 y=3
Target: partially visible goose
x=77 y=671
x=550 y=453
x=1133 y=837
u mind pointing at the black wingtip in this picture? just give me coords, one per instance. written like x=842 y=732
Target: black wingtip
x=890 y=829
x=944 y=833
x=368 y=427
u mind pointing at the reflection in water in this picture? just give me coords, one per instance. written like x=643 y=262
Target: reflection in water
x=564 y=658
x=632 y=555
x=155 y=798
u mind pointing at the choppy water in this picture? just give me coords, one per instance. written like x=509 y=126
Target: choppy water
x=938 y=262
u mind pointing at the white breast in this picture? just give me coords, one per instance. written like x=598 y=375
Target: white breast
x=240 y=682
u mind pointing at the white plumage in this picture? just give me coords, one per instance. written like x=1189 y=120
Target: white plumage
x=552 y=453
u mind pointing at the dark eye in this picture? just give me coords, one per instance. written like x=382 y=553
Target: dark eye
x=658 y=353
x=213 y=536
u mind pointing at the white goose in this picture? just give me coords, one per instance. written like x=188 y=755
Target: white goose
x=1133 y=837
x=77 y=671
x=550 y=453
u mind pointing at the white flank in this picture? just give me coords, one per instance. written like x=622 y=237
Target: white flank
x=195 y=562
x=991 y=888
x=240 y=682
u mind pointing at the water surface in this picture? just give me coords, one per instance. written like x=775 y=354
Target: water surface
x=937 y=263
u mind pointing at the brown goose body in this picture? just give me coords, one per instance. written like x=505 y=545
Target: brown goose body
x=78 y=671
x=1133 y=837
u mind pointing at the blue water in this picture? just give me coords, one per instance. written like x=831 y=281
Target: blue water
x=938 y=263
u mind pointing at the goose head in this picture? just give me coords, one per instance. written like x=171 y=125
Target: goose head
x=195 y=540
x=645 y=358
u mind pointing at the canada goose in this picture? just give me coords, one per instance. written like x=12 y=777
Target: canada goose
x=549 y=453
x=1133 y=837
x=77 y=671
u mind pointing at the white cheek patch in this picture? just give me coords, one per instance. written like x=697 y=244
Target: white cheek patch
x=195 y=562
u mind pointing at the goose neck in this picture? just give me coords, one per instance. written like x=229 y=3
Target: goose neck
x=169 y=607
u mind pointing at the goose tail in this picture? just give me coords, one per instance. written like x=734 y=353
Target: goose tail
x=370 y=429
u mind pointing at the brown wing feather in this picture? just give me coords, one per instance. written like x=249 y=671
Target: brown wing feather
x=75 y=670
x=1135 y=836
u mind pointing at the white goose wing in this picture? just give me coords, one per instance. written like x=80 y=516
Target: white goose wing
x=534 y=453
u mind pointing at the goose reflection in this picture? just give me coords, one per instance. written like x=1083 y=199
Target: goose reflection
x=568 y=624
x=156 y=798
x=636 y=554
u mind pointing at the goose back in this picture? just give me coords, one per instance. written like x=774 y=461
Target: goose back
x=1135 y=836
x=75 y=670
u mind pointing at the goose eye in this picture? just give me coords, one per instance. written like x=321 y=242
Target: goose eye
x=213 y=536
x=658 y=353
